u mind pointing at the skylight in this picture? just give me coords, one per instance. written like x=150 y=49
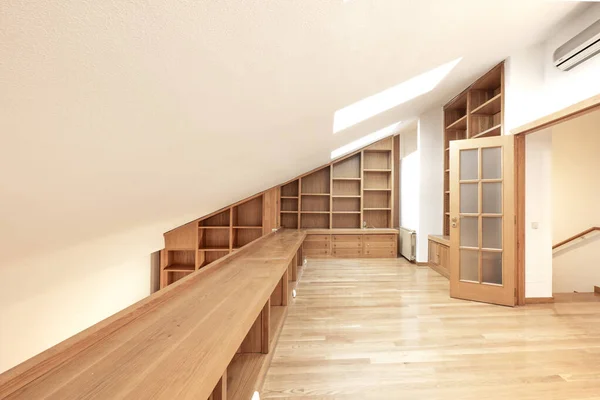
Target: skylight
x=390 y=98
x=366 y=140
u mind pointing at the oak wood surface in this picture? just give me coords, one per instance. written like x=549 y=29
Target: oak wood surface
x=386 y=329
x=159 y=347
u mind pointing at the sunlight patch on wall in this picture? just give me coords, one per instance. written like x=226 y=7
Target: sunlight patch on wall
x=390 y=98
x=366 y=140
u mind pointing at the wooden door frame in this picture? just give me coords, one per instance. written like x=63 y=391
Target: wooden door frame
x=576 y=110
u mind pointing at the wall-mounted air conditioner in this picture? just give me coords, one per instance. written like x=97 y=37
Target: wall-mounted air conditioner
x=580 y=48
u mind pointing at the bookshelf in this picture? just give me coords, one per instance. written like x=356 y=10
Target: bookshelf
x=476 y=112
x=197 y=244
x=344 y=194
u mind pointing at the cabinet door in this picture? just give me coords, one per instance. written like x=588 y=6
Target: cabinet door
x=431 y=252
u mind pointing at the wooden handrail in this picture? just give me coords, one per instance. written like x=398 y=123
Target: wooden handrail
x=592 y=229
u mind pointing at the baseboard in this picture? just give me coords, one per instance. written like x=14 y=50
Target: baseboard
x=421 y=264
x=539 y=300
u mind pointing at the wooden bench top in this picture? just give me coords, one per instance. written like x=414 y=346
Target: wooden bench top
x=352 y=231
x=175 y=344
x=441 y=239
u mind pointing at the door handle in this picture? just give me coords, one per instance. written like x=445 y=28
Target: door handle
x=454 y=220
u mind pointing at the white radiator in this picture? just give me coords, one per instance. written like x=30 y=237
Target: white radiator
x=408 y=243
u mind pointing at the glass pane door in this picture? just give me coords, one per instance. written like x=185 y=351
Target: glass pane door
x=482 y=214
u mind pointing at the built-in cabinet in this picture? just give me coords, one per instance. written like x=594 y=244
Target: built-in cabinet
x=439 y=254
x=201 y=242
x=351 y=193
x=476 y=112
x=354 y=192
x=351 y=243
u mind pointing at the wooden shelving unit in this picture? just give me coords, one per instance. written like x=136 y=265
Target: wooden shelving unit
x=344 y=194
x=477 y=112
x=199 y=243
x=290 y=199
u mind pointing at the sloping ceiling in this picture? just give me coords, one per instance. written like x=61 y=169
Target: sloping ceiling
x=117 y=113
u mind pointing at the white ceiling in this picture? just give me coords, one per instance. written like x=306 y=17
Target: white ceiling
x=117 y=113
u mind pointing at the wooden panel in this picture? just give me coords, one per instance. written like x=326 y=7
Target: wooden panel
x=377 y=180
x=313 y=221
x=380 y=238
x=346 y=188
x=253 y=341
x=379 y=253
x=289 y=221
x=290 y=189
x=377 y=200
x=384 y=144
x=265 y=317
x=308 y=245
x=371 y=245
x=341 y=221
x=271 y=210
x=317 y=238
x=396 y=183
x=277 y=294
x=348 y=168
x=317 y=182
x=243 y=236
x=346 y=204
x=249 y=213
x=347 y=253
x=347 y=238
x=220 y=219
x=377 y=219
x=220 y=391
x=289 y=204
x=315 y=203
x=315 y=252
x=346 y=245
x=378 y=160
x=182 y=238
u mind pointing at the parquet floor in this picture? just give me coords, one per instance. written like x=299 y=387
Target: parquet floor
x=386 y=329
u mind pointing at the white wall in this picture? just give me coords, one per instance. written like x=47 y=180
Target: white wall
x=431 y=182
x=576 y=202
x=49 y=298
x=538 y=211
x=535 y=87
x=409 y=180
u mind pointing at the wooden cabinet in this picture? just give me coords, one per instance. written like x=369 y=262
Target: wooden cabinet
x=352 y=243
x=439 y=254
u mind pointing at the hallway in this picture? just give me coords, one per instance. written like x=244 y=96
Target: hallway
x=387 y=329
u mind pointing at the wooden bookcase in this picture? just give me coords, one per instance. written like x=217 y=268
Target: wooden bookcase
x=476 y=112
x=345 y=194
x=354 y=191
x=201 y=242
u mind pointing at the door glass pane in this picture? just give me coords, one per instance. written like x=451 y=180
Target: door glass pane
x=491 y=233
x=492 y=267
x=492 y=198
x=469 y=198
x=491 y=163
x=469 y=232
x=469 y=166
x=469 y=265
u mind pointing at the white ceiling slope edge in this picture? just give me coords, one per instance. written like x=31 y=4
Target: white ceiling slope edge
x=117 y=114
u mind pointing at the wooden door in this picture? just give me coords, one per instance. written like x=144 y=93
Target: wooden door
x=482 y=220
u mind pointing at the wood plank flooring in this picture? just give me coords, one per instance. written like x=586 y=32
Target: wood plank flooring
x=386 y=329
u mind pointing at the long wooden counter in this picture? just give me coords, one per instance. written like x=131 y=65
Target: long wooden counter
x=178 y=343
